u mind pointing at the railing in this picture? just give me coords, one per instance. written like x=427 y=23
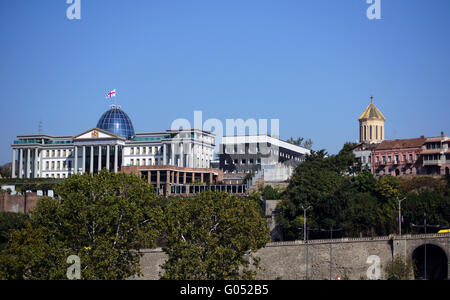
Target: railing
x=195 y=189
x=432 y=162
x=364 y=239
x=24 y=142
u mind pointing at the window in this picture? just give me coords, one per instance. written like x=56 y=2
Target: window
x=132 y=162
x=389 y=159
x=410 y=158
x=252 y=161
x=244 y=162
x=378 y=159
x=235 y=161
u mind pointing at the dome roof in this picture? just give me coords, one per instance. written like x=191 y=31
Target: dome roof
x=116 y=121
x=372 y=113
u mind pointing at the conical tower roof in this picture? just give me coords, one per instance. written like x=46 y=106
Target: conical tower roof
x=372 y=113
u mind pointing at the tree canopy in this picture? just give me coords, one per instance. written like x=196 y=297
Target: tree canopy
x=103 y=219
x=213 y=237
x=343 y=195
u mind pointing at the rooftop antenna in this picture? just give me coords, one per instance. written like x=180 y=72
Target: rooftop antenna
x=40 y=126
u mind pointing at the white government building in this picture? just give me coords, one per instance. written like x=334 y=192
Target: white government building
x=110 y=145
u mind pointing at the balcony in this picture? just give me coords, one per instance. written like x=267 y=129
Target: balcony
x=432 y=162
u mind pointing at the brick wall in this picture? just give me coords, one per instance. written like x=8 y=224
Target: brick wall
x=15 y=203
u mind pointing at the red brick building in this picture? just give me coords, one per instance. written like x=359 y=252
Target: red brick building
x=398 y=157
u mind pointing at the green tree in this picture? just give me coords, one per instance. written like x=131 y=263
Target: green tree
x=270 y=193
x=399 y=269
x=213 y=236
x=8 y=223
x=314 y=183
x=104 y=219
x=5 y=171
x=301 y=142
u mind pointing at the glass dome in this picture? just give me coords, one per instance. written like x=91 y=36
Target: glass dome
x=116 y=121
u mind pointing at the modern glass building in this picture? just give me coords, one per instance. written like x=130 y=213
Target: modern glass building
x=111 y=145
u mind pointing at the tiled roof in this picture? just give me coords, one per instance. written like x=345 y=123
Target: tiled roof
x=372 y=113
x=438 y=139
x=399 y=144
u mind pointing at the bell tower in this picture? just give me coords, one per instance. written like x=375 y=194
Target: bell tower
x=371 y=125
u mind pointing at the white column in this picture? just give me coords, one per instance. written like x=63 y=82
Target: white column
x=41 y=164
x=172 y=152
x=91 y=166
x=75 y=163
x=191 y=146
x=123 y=158
x=99 y=158
x=13 y=167
x=164 y=154
x=107 y=157
x=83 y=167
x=182 y=155
x=28 y=163
x=21 y=163
x=116 y=158
x=36 y=156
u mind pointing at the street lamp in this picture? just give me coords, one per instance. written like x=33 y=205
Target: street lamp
x=425 y=225
x=331 y=249
x=400 y=216
x=305 y=236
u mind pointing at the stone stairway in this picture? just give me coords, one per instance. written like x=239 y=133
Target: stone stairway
x=256 y=181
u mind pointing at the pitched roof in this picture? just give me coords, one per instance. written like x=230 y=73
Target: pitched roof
x=372 y=113
x=400 y=144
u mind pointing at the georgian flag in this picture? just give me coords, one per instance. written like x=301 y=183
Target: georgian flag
x=111 y=94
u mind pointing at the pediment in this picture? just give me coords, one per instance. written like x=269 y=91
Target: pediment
x=95 y=134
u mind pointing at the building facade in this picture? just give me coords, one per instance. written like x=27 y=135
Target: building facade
x=398 y=157
x=436 y=155
x=245 y=154
x=111 y=145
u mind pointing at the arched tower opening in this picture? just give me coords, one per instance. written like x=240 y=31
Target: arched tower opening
x=431 y=262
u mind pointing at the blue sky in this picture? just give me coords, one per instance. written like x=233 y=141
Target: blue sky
x=313 y=64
